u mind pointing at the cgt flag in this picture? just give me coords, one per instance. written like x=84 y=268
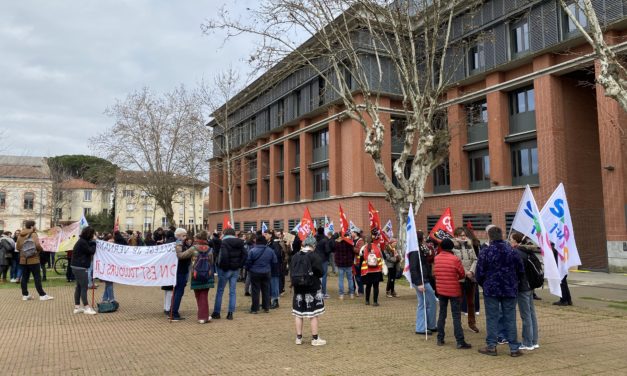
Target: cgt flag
x=557 y=221
x=306 y=225
x=226 y=223
x=444 y=228
x=528 y=221
x=344 y=226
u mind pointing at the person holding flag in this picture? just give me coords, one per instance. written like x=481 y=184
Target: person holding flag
x=418 y=269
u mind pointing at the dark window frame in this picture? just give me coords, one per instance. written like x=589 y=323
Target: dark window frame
x=520 y=34
x=479 y=179
x=29 y=203
x=521 y=151
x=321 y=182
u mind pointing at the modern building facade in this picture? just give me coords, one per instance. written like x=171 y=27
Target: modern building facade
x=522 y=109
x=79 y=197
x=25 y=192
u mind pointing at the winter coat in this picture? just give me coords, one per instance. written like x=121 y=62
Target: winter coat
x=499 y=268
x=232 y=255
x=277 y=268
x=466 y=254
x=523 y=252
x=343 y=253
x=414 y=266
x=20 y=242
x=200 y=246
x=392 y=258
x=7 y=247
x=448 y=271
x=316 y=268
x=82 y=253
x=260 y=259
x=321 y=247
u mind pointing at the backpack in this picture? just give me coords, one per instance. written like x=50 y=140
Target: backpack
x=202 y=268
x=29 y=248
x=534 y=272
x=301 y=272
x=372 y=261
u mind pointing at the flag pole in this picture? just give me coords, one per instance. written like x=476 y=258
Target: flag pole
x=424 y=293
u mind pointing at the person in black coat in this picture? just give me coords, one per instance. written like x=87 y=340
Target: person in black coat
x=421 y=280
x=230 y=257
x=322 y=250
x=82 y=255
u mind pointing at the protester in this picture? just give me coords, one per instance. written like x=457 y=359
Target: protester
x=182 y=272
x=566 y=299
x=280 y=239
x=26 y=243
x=526 y=305
x=392 y=261
x=16 y=268
x=332 y=238
x=421 y=279
x=499 y=269
x=108 y=294
x=82 y=256
x=308 y=301
x=259 y=265
x=344 y=259
x=44 y=261
x=168 y=296
x=358 y=243
x=7 y=248
x=276 y=268
x=249 y=243
x=476 y=246
x=202 y=273
x=371 y=267
x=466 y=254
x=322 y=250
x=448 y=270
x=231 y=258
x=148 y=240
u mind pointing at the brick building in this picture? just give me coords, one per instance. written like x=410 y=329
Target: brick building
x=523 y=109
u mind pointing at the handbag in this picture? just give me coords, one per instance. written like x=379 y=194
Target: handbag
x=106 y=307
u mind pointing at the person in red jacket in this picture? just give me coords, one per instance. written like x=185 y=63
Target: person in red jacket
x=448 y=272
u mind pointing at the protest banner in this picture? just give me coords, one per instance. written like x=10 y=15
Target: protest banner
x=137 y=266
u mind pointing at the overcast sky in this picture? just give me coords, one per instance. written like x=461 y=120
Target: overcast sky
x=63 y=62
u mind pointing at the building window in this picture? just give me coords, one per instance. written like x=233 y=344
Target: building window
x=321 y=182
x=58 y=213
x=478 y=221
x=128 y=193
x=297 y=152
x=297 y=187
x=281 y=190
x=3 y=200
x=479 y=169
x=252 y=195
x=321 y=145
x=522 y=110
x=130 y=207
x=442 y=178
x=252 y=169
x=29 y=201
x=477 y=113
x=147 y=223
x=397 y=131
x=277 y=225
x=525 y=163
x=321 y=90
x=86 y=211
x=432 y=220
x=129 y=223
x=476 y=58
x=520 y=36
x=267 y=186
x=281 y=158
x=576 y=7
x=87 y=195
x=291 y=223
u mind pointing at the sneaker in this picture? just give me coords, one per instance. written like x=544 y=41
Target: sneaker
x=423 y=333
x=367 y=302
x=89 y=311
x=477 y=313
x=352 y=296
x=388 y=295
x=527 y=348
x=178 y=318
x=434 y=330
x=326 y=296
x=318 y=342
x=465 y=313
x=78 y=310
x=516 y=354
x=13 y=280
x=464 y=346
x=536 y=346
x=561 y=303
x=488 y=351
x=202 y=321
x=46 y=297
x=299 y=341
x=502 y=341
x=27 y=297
x=341 y=297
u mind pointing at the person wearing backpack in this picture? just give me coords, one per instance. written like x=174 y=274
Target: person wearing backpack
x=526 y=285
x=29 y=247
x=259 y=265
x=7 y=245
x=308 y=300
x=202 y=273
x=371 y=270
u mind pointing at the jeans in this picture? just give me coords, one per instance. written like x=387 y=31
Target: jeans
x=325 y=271
x=35 y=270
x=358 y=282
x=457 y=318
x=108 y=296
x=16 y=268
x=90 y=276
x=224 y=277
x=348 y=272
x=179 y=290
x=528 y=317
x=260 y=283
x=332 y=262
x=508 y=317
x=274 y=288
x=203 y=303
x=420 y=310
x=80 y=292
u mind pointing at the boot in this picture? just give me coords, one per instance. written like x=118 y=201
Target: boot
x=275 y=304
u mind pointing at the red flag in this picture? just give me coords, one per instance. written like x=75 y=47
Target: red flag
x=343 y=222
x=444 y=228
x=375 y=225
x=469 y=225
x=226 y=223
x=306 y=225
x=116 y=226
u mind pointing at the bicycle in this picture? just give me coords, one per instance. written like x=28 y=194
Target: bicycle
x=61 y=264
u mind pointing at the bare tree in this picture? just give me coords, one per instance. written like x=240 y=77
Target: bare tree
x=613 y=74
x=360 y=49
x=151 y=135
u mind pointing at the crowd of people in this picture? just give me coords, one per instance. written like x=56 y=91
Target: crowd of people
x=443 y=273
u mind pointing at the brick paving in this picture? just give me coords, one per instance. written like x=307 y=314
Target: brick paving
x=46 y=338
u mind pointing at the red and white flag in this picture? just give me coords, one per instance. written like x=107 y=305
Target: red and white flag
x=444 y=228
x=306 y=225
x=226 y=223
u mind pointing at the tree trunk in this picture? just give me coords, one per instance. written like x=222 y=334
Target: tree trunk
x=229 y=183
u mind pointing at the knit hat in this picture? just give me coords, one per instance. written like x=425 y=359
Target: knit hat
x=309 y=241
x=447 y=244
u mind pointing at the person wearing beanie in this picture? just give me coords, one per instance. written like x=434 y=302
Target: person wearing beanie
x=259 y=265
x=308 y=300
x=448 y=270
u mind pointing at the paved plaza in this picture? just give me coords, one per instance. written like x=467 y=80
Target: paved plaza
x=45 y=338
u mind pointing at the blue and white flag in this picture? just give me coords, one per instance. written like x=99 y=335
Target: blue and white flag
x=411 y=242
x=388 y=229
x=296 y=228
x=83 y=222
x=556 y=217
x=264 y=228
x=529 y=222
x=331 y=228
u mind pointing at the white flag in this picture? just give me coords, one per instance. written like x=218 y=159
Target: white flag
x=528 y=221
x=296 y=228
x=557 y=220
x=412 y=241
x=388 y=229
x=83 y=222
x=264 y=228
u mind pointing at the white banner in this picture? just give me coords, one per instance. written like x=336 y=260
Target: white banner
x=412 y=244
x=137 y=266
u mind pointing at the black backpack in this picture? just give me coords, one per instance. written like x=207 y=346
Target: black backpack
x=301 y=272
x=533 y=269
